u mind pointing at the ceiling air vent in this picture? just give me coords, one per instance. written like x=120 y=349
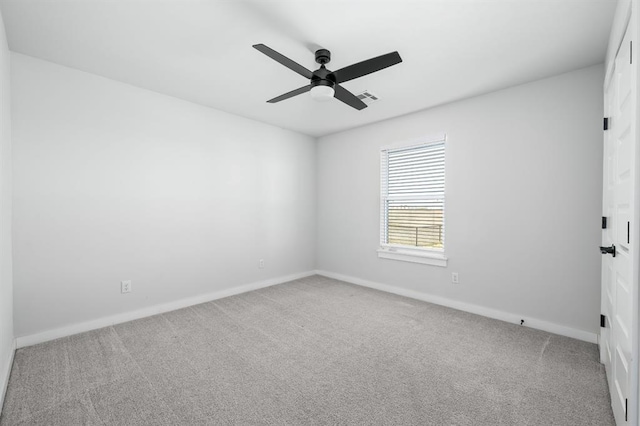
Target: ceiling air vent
x=368 y=97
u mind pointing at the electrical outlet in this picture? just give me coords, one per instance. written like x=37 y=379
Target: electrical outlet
x=125 y=286
x=454 y=278
x=261 y=263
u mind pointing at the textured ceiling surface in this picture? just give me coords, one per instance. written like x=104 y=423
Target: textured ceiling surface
x=201 y=51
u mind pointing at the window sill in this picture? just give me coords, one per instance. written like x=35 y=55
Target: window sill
x=415 y=256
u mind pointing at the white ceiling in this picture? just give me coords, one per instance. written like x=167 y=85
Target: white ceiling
x=200 y=50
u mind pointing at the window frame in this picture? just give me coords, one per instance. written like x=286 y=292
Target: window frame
x=428 y=256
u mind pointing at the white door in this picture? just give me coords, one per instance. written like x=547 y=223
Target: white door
x=618 y=291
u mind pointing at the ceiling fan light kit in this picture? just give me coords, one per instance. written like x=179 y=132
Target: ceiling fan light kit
x=322 y=93
x=323 y=83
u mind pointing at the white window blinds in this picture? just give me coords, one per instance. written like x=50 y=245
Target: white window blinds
x=412 y=198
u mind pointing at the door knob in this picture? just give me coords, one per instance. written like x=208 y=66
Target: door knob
x=609 y=250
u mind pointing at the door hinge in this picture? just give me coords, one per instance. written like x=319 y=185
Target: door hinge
x=603 y=321
x=604 y=222
x=606 y=123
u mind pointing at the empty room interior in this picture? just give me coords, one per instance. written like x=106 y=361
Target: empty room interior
x=319 y=213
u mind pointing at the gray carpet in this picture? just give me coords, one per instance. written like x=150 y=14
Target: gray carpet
x=312 y=351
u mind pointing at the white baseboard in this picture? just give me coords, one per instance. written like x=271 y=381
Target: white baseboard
x=468 y=307
x=69 y=330
x=5 y=372
x=72 y=329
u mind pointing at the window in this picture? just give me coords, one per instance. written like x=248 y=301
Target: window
x=412 y=225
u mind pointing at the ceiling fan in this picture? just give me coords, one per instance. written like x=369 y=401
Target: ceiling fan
x=325 y=84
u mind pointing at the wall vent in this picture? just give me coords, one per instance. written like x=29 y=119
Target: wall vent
x=368 y=97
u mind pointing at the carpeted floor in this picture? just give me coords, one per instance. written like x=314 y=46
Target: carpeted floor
x=312 y=351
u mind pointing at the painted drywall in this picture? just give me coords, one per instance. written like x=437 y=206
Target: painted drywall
x=6 y=280
x=523 y=201
x=113 y=183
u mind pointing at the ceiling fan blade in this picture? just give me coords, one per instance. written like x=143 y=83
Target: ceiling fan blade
x=348 y=98
x=278 y=57
x=367 y=67
x=290 y=94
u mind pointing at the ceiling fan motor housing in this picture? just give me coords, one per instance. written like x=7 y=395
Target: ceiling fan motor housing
x=323 y=77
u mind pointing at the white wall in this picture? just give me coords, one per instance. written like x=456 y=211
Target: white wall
x=113 y=182
x=523 y=203
x=6 y=280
